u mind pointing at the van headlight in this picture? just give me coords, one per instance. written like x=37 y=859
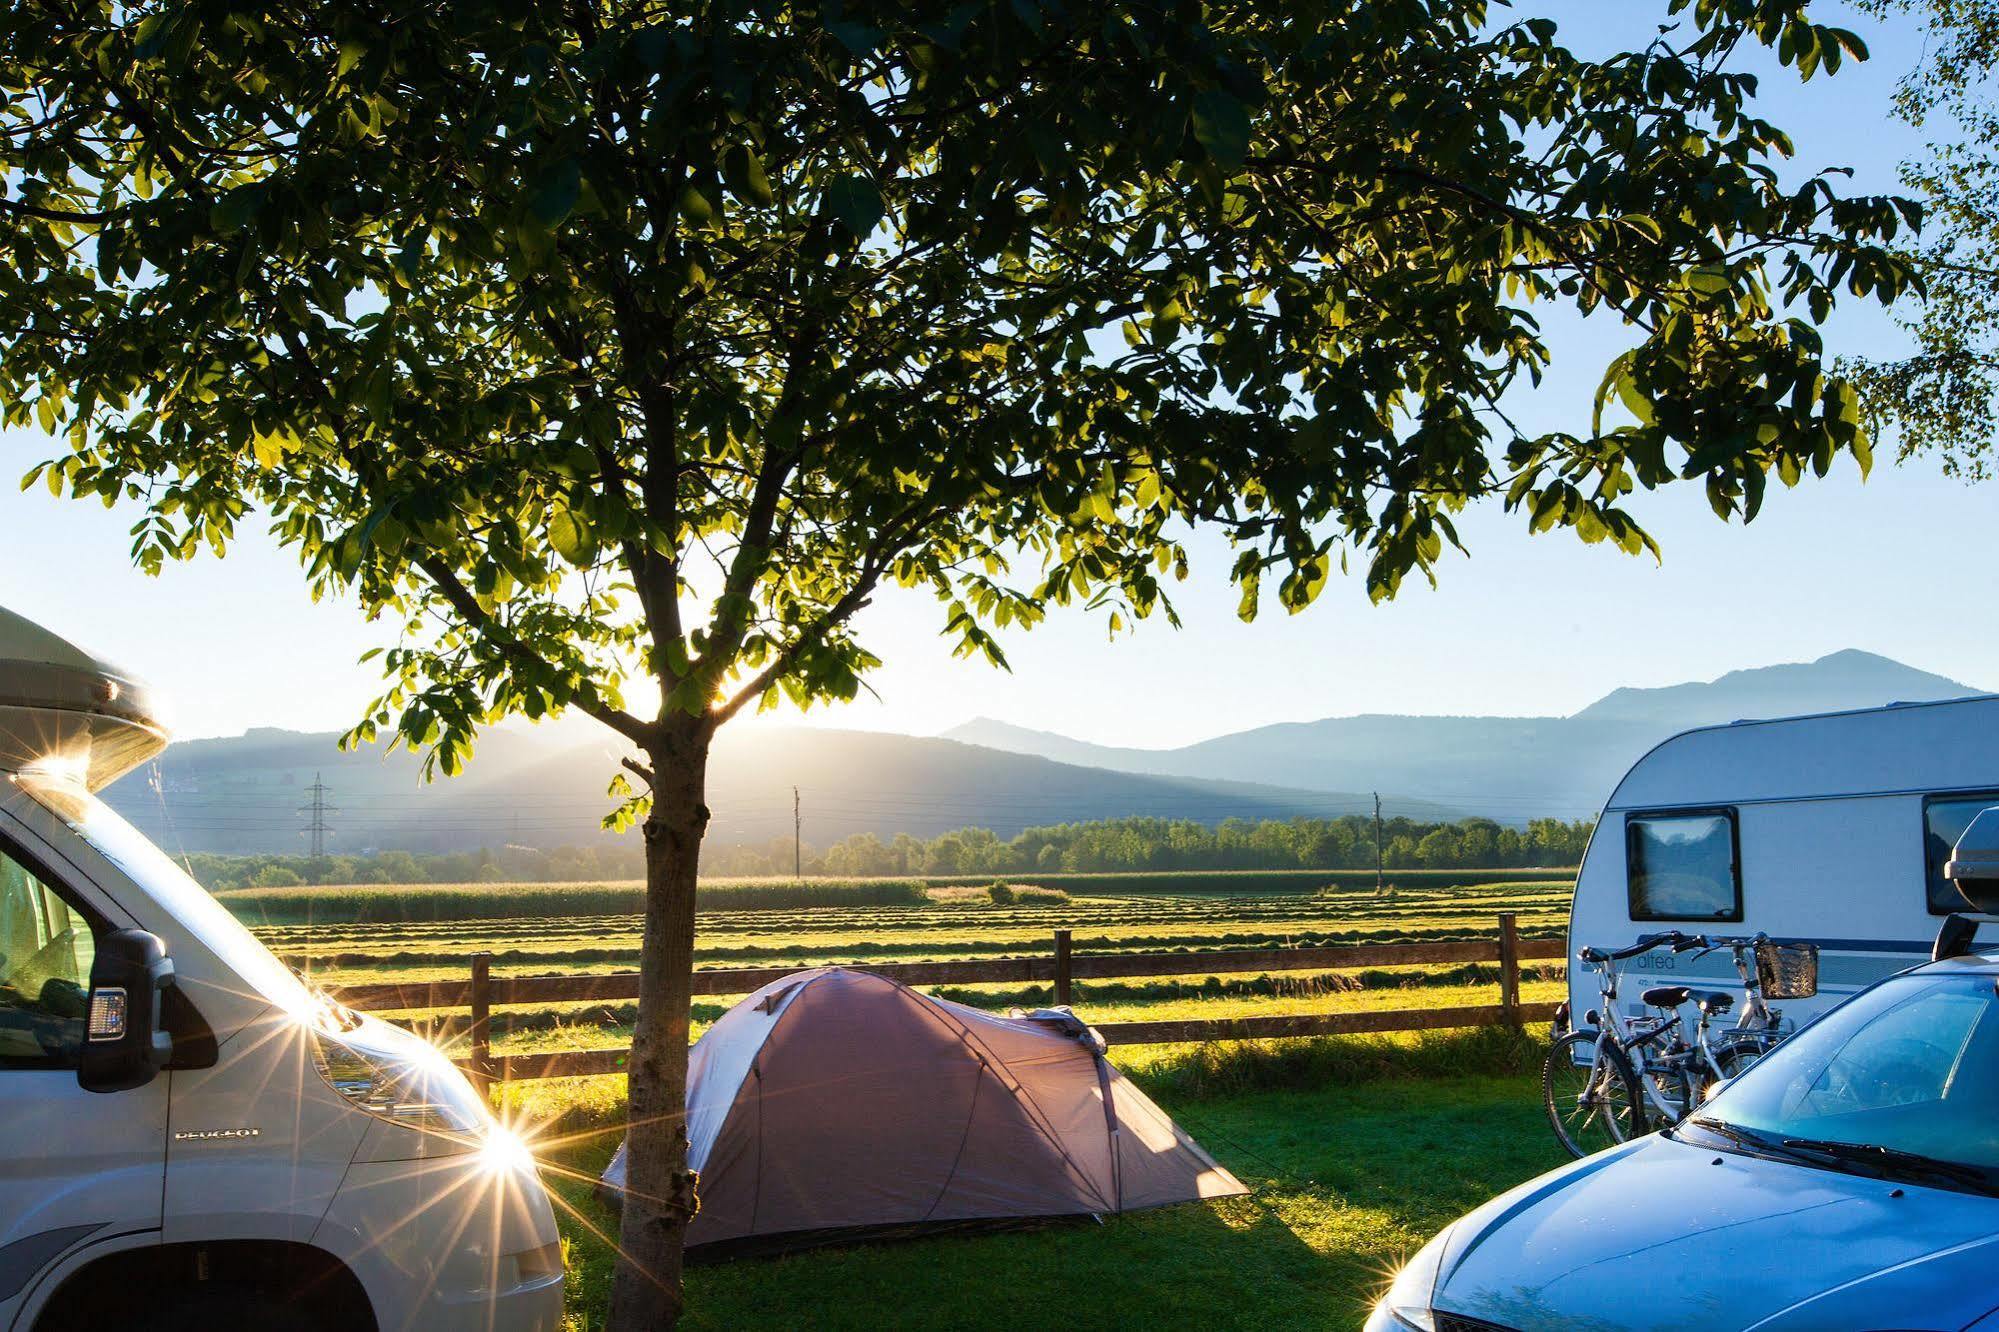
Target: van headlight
x=415 y=1090
x=1406 y=1305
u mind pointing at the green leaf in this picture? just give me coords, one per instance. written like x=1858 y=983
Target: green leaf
x=1708 y=280
x=1614 y=375
x=555 y=196
x=744 y=171
x=856 y=204
x=856 y=37
x=1634 y=402
x=695 y=206
x=234 y=210
x=1221 y=124
x=571 y=538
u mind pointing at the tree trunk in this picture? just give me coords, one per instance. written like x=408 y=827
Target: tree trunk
x=660 y=1191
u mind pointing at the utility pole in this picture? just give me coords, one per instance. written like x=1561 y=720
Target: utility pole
x=1378 y=886
x=797 y=841
x=316 y=829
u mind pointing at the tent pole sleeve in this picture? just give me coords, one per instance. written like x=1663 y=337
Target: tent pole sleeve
x=1113 y=1128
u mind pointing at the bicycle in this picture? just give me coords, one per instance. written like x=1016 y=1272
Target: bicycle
x=1644 y=1068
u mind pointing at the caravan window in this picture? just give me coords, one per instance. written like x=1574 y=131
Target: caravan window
x=1683 y=866
x=1944 y=820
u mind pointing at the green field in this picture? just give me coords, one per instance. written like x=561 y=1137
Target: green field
x=950 y=926
x=393 y=902
x=1327 y=1132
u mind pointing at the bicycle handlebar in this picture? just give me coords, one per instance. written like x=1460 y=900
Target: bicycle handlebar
x=1645 y=944
x=1735 y=943
x=1679 y=942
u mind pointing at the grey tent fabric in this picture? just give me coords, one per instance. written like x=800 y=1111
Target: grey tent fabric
x=835 y=1101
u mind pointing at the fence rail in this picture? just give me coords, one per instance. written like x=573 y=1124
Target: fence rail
x=483 y=991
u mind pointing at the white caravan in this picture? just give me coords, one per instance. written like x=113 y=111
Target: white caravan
x=1832 y=829
x=193 y=1138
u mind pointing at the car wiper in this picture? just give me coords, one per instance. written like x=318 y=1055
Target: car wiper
x=1755 y=1142
x=1895 y=1160
x=1723 y=1130
x=1740 y=1137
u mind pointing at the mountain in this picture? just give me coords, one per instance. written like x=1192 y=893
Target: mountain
x=1849 y=679
x=995 y=734
x=537 y=787
x=247 y=793
x=1509 y=768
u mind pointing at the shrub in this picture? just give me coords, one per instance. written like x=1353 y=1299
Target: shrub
x=1002 y=894
x=1032 y=895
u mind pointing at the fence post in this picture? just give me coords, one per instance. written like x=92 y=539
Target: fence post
x=1062 y=969
x=1509 y=968
x=482 y=1020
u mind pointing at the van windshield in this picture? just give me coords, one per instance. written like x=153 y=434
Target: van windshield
x=169 y=885
x=1902 y=1080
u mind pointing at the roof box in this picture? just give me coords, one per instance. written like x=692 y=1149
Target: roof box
x=63 y=710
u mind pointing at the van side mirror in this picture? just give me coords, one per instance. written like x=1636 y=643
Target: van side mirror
x=125 y=1040
x=1974 y=863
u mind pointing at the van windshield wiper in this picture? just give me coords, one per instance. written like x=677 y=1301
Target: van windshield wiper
x=1894 y=1160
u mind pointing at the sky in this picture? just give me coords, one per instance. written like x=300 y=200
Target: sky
x=1538 y=625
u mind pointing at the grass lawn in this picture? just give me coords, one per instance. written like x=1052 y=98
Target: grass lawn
x=1348 y=1178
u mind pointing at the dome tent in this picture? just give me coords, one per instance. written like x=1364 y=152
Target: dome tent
x=836 y=1103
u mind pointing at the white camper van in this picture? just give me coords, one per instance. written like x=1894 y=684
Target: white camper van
x=190 y=1138
x=1832 y=829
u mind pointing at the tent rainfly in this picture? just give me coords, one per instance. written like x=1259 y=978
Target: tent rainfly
x=833 y=1104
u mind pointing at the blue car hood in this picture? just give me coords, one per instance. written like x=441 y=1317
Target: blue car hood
x=1662 y=1236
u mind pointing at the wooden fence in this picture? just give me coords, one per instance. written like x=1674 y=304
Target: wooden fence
x=1062 y=967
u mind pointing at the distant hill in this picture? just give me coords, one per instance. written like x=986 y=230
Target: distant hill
x=243 y=794
x=1849 y=679
x=540 y=788
x=1509 y=768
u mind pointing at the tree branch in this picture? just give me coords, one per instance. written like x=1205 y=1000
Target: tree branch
x=454 y=591
x=22 y=208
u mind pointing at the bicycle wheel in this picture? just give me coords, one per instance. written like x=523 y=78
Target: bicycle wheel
x=1593 y=1104
x=1737 y=1055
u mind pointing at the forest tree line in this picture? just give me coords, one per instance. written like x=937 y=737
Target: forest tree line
x=1105 y=846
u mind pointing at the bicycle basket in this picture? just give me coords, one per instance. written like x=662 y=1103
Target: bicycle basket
x=1787 y=971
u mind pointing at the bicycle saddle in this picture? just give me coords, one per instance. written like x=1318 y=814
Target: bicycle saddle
x=1672 y=996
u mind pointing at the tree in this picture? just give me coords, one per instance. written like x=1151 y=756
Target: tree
x=603 y=349
x=1439 y=849
x=1941 y=400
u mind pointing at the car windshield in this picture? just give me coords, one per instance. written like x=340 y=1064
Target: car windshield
x=1907 y=1073
x=184 y=899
